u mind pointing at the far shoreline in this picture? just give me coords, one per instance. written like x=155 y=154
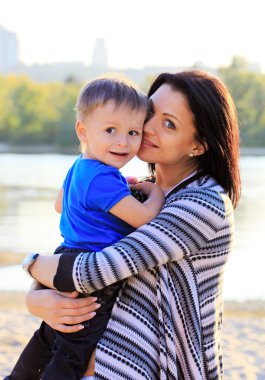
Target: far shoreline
x=232 y=309
x=74 y=150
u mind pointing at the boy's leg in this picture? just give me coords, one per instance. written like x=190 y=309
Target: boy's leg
x=35 y=356
x=71 y=353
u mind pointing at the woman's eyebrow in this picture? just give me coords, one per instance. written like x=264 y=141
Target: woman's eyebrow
x=174 y=117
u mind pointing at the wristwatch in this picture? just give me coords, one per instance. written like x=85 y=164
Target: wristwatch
x=28 y=262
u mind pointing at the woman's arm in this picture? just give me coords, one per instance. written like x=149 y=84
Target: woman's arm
x=44 y=269
x=185 y=225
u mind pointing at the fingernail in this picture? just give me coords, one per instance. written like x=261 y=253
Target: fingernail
x=92 y=314
x=94 y=299
x=81 y=327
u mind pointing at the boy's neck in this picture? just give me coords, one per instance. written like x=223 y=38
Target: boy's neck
x=86 y=155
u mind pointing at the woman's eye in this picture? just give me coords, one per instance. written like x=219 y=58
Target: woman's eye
x=110 y=130
x=169 y=124
x=133 y=133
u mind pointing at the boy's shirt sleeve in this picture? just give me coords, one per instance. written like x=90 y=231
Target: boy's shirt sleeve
x=107 y=188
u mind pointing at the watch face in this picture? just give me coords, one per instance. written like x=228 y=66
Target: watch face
x=28 y=261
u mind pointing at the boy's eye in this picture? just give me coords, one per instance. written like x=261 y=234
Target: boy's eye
x=169 y=124
x=133 y=133
x=110 y=130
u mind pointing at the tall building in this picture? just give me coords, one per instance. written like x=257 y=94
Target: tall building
x=99 y=57
x=8 y=50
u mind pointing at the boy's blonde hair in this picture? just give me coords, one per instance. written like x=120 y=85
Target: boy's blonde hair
x=101 y=90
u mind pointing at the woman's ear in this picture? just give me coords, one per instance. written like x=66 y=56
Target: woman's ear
x=200 y=148
x=81 y=130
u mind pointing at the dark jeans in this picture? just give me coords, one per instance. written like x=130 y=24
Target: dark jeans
x=52 y=355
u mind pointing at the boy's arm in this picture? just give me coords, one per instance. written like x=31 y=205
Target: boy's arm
x=136 y=213
x=58 y=204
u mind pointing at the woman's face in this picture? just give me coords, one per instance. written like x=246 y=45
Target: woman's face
x=169 y=136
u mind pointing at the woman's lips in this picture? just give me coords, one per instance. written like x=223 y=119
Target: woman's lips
x=148 y=143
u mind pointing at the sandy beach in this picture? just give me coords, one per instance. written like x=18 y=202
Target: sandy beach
x=243 y=336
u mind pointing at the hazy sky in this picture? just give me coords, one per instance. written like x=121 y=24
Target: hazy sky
x=138 y=33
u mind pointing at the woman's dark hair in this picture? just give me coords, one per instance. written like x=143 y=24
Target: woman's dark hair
x=216 y=125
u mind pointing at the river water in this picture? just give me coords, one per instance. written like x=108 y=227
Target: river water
x=28 y=222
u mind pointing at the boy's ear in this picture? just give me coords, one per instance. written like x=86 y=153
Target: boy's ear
x=200 y=148
x=81 y=131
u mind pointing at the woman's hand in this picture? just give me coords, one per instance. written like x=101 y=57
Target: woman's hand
x=59 y=309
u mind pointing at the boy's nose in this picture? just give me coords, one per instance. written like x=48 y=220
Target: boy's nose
x=123 y=141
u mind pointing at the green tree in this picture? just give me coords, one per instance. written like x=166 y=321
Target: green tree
x=36 y=113
x=248 y=90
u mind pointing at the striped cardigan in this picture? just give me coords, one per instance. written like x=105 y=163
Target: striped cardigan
x=167 y=320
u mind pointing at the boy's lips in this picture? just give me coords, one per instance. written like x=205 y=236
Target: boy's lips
x=146 y=142
x=122 y=154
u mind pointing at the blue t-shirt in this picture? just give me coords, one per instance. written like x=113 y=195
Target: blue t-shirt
x=91 y=189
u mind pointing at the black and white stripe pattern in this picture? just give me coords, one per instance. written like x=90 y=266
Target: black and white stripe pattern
x=166 y=322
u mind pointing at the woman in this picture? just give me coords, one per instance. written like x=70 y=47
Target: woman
x=166 y=322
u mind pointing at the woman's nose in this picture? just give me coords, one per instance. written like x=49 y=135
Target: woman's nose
x=149 y=127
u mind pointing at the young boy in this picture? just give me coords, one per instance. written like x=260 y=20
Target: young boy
x=97 y=209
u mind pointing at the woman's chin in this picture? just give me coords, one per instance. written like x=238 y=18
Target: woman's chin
x=144 y=156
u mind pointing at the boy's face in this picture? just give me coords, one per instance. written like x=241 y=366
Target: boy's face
x=112 y=134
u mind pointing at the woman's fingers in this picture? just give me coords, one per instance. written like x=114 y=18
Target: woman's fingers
x=75 y=303
x=74 y=320
x=60 y=309
x=71 y=320
x=75 y=312
x=64 y=328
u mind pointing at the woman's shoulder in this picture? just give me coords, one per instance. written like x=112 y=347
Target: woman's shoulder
x=205 y=192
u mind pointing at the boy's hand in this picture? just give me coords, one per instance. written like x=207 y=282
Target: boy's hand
x=146 y=187
x=137 y=194
x=131 y=180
